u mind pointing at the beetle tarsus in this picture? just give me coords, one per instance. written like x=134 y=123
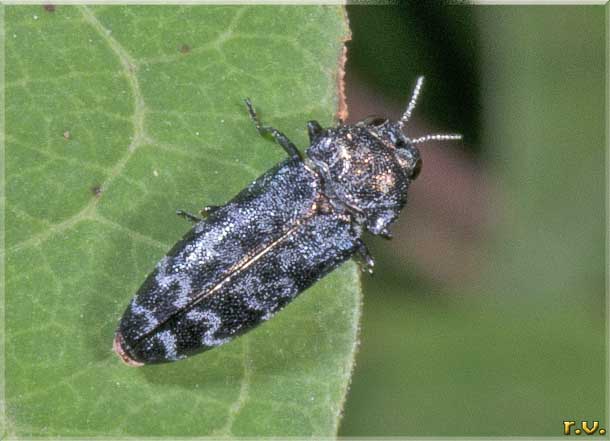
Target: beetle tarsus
x=207 y=210
x=315 y=130
x=279 y=137
x=188 y=216
x=364 y=256
x=386 y=234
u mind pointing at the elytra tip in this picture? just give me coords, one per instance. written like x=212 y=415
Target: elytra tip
x=118 y=349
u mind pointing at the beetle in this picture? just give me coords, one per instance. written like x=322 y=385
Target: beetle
x=244 y=261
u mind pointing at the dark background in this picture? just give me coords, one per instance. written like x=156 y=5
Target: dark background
x=487 y=311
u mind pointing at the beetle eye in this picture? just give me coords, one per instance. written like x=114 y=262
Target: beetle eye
x=416 y=169
x=374 y=121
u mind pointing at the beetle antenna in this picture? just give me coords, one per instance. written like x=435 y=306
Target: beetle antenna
x=412 y=102
x=436 y=137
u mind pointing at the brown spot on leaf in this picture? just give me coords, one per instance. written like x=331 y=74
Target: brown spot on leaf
x=67 y=134
x=185 y=48
x=49 y=8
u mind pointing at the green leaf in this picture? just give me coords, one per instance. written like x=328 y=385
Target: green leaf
x=115 y=117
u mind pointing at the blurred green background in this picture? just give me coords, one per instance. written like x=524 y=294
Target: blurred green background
x=487 y=312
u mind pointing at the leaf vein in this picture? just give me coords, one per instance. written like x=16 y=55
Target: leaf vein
x=244 y=391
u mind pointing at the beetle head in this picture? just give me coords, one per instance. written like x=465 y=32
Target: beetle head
x=367 y=167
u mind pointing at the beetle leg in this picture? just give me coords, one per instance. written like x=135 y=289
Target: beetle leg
x=188 y=216
x=279 y=137
x=386 y=234
x=366 y=260
x=315 y=130
x=207 y=210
